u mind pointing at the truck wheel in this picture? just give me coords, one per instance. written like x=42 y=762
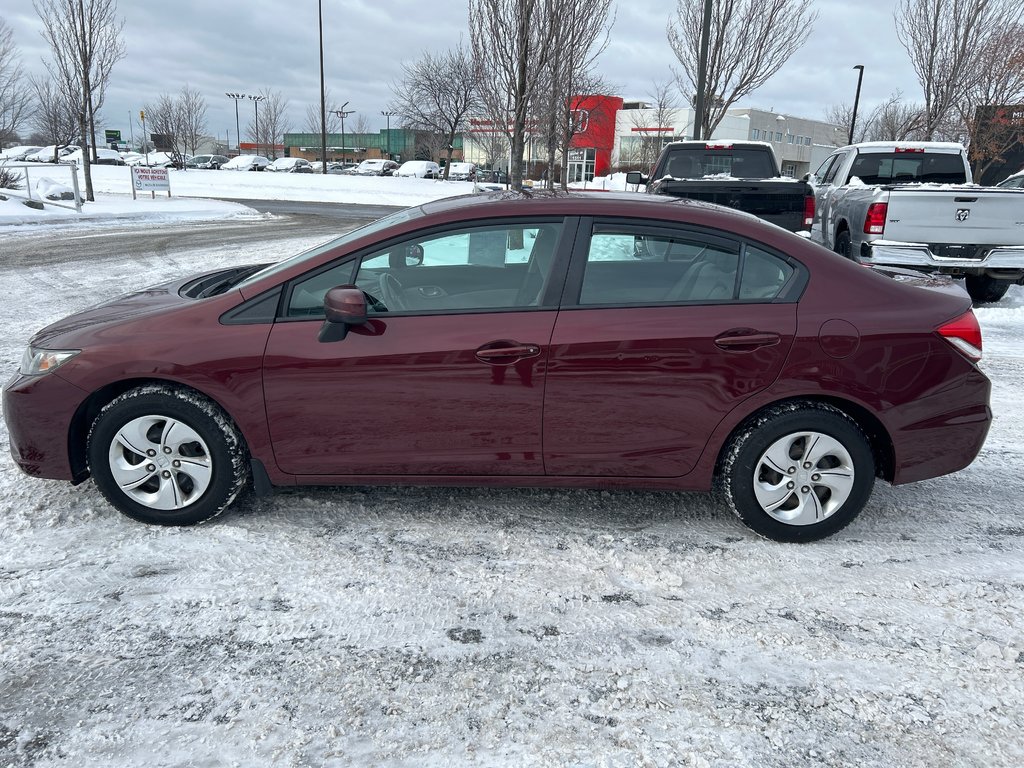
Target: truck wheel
x=984 y=289
x=843 y=244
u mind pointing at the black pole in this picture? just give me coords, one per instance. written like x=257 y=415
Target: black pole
x=323 y=100
x=238 y=136
x=856 y=101
x=700 y=102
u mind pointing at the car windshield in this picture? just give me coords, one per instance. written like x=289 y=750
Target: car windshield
x=373 y=227
x=697 y=162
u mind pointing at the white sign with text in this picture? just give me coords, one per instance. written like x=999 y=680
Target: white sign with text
x=150 y=179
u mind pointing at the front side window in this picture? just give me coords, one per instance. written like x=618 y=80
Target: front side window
x=497 y=267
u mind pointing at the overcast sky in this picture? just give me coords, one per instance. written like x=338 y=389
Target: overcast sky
x=218 y=47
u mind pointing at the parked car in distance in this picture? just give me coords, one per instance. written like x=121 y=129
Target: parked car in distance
x=18 y=153
x=46 y=154
x=376 y=167
x=461 y=172
x=346 y=169
x=1016 y=181
x=491 y=176
x=104 y=156
x=290 y=165
x=246 y=163
x=699 y=348
x=208 y=162
x=423 y=169
x=163 y=160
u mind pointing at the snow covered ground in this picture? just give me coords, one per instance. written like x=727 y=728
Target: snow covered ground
x=112 y=186
x=434 y=627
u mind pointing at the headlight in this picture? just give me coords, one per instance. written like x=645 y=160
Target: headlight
x=36 y=362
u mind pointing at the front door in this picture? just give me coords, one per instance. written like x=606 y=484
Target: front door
x=447 y=378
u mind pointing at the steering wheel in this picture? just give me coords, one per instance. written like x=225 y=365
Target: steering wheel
x=391 y=292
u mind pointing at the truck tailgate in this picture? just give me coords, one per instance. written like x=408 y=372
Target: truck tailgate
x=976 y=216
x=780 y=202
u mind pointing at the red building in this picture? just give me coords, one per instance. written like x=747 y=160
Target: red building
x=590 y=151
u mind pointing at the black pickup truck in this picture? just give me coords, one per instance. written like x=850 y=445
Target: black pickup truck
x=741 y=175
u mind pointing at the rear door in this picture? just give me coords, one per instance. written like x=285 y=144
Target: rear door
x=662 y=332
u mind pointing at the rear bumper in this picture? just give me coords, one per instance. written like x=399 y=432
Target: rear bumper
x=919 y=256
x=39 y=411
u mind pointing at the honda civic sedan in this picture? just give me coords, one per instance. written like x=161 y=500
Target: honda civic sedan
x=610 y=341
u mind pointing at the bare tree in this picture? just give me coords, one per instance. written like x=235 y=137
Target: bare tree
x=944 y=39
x=164 y=117
x=273 y=121
x=512 y=42
x=313 y=116
x=56 y=113
x=437 y=94
x=15 y=97
x=750 y=41
x=193 y=118
x=579 y=36
x=85 y=42
x=651 y=126
x=361 y=125
x=892 y=120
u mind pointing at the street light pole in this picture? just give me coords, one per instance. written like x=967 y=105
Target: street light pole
x=256 y=111
x=856 y=100
x=388 y=115
x=323 y=98
x=700 y=101
x=343 y=114
x=238 y=136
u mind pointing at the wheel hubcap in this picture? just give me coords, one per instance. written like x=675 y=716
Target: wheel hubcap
x=803 y=478
x=160 y=462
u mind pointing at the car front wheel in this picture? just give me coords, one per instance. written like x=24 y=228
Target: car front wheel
x=167 y=456
x=797 y=472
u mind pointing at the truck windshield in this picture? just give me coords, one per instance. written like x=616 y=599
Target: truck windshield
x=697 y=162
x=909 y=168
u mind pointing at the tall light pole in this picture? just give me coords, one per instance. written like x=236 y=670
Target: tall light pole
x=323 y=99
x=700 y=100
x=856 y=100
x=238 y=136
x=256 y=111
x=388 y=115
x=343 y=114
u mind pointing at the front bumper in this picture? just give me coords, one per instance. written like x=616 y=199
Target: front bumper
x=39 y=412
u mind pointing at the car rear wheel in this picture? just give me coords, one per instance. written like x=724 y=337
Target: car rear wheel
x=986 y=290
x=798 y=472
x=167 y=456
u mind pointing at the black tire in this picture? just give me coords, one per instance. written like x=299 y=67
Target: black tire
x=741 y=468
x=986 y=290
x=193 y=476
x=843 y=244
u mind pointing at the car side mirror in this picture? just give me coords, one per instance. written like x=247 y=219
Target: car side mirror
x=344 y=306
x=807 y=177
x=635 y=177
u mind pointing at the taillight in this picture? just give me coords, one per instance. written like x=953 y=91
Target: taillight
x=874 y=222
x=808 y=211
x=964 y=333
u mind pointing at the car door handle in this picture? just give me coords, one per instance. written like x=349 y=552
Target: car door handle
x=505 y=352
x=744 y=341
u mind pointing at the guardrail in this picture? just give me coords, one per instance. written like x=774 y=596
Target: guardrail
x=45 y=167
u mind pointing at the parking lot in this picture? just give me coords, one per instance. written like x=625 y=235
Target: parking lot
x=416 y=627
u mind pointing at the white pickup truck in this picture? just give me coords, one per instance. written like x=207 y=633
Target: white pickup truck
x=912 y=205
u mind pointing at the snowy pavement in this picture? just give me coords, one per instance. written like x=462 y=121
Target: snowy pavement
x=435 y=627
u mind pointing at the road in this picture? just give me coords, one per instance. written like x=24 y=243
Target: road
x=94 y=245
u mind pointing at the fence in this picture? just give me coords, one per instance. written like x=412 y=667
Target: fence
x=45 y=168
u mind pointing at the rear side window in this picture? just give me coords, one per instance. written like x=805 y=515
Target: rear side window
x=764 y=275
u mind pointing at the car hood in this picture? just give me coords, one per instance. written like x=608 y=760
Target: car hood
x=75 y=330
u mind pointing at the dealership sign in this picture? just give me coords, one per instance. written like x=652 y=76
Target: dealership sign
x=151 y=179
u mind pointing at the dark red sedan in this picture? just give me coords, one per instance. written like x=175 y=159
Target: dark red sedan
x=569 y=340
